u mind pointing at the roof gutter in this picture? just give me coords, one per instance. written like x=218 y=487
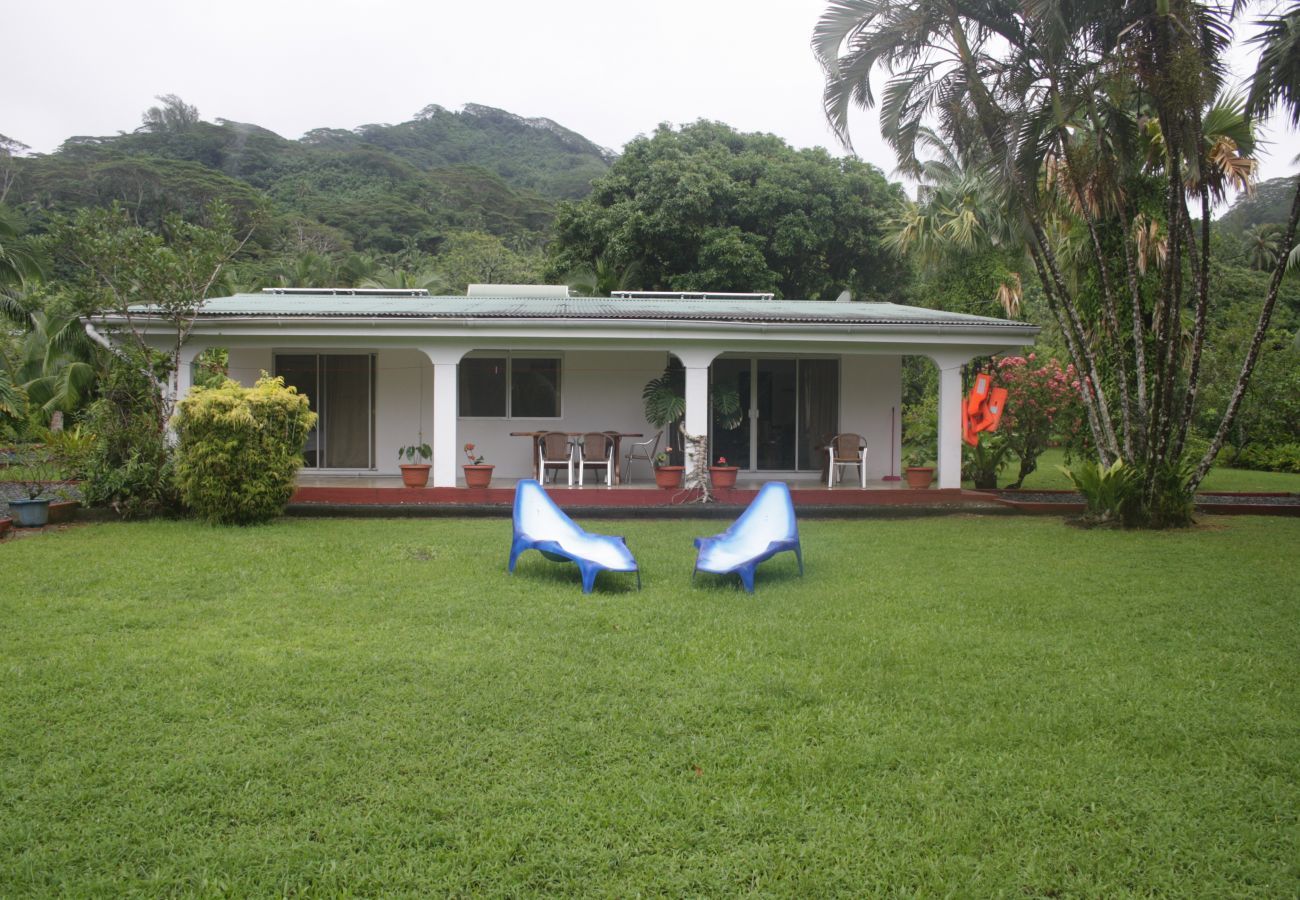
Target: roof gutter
x=478 y=323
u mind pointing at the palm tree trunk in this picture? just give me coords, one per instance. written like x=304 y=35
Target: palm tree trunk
x=1201 y=260
x=1248 y=364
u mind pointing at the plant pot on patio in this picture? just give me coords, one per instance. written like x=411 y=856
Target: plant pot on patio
x=669 y=477
x=415 y=475
x=723 y=476
x=5 y=524
x=478 y=476
x=919 y=476
x=30 y=513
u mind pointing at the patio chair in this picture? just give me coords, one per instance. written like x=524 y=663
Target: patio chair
x=541 y=525
x=596 y=449
x=640 y=450
x=846 y=449
x=766 y=528
x=554 y=452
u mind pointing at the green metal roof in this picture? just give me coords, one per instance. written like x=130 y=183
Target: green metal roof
x=589 y=308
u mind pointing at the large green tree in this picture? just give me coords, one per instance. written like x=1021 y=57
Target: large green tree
x=705 y=207
x=1108 y=136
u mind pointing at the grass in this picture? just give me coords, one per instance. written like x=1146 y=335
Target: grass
x=951 y=706
x=1049 y=477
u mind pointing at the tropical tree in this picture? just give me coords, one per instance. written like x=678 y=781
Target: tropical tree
x=704 y=207
x=1103 y=127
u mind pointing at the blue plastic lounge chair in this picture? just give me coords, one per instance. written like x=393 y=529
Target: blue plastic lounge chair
x=541 y=525
x=763 y=530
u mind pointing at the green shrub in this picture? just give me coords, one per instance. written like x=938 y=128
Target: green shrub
x=239 y=449
x=982 y=463
x=1112 y=494
x=1270 y=458
x=128 y=465
x=1116 y=495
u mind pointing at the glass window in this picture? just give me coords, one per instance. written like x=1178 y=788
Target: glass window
x=534 y=388
x=505 y=386
x=481 y=383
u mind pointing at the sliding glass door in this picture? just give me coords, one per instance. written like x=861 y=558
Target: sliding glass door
x=341 y=389
x=791 y=408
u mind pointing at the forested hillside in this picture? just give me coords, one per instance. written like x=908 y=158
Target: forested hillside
x=377 y=188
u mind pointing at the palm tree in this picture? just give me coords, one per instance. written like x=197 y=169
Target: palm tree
x=1263 y=244
x=60 y=365
x=1062 y=99
x=17 y=262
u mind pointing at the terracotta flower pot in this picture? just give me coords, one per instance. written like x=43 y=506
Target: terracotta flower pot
x=479 y=476
x=919 y=476
x=415 y=476
x=5 y=524
x=669 y=477
x=723 y=476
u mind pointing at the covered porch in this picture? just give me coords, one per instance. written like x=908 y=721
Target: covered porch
x=388 y=371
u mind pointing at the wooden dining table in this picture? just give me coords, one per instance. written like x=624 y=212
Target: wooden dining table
x=615 y=436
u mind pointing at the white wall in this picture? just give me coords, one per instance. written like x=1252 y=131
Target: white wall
x=869 y=387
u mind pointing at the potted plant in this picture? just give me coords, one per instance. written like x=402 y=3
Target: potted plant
x=34 y=475
x=477 y=475
x=723 y=475
x=415 y=474
x=915 y=471
x=666 y=476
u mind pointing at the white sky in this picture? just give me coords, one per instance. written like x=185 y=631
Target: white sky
x=608 y=69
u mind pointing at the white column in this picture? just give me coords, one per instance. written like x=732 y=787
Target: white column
x=949 y=425
x=180 y=382
x=696 y=422
x=446 y=452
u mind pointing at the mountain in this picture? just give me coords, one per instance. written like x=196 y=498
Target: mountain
x=1270 y=204
x=376 y=188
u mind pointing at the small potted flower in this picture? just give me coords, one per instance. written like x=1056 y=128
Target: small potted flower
x=723 y=475
x=666 y=476
x=415 y=474
x=477 y=475
x=915 y=471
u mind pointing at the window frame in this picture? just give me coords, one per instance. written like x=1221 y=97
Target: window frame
x=509 y=356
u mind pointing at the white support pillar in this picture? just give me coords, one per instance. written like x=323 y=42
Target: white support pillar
x=696 y=422
x=446 y=453
x=949 y=424
x=180 y=382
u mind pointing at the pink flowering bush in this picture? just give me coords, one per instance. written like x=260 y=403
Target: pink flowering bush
x=1042 y=405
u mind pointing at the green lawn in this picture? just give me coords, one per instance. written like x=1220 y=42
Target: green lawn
x=1049 y=477
x=960 y=706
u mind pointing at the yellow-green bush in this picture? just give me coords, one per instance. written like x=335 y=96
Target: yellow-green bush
x=239 y=449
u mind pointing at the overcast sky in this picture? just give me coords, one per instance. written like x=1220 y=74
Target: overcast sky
x=608 y=69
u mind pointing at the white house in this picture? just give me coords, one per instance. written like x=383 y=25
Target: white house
x=385 y=367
